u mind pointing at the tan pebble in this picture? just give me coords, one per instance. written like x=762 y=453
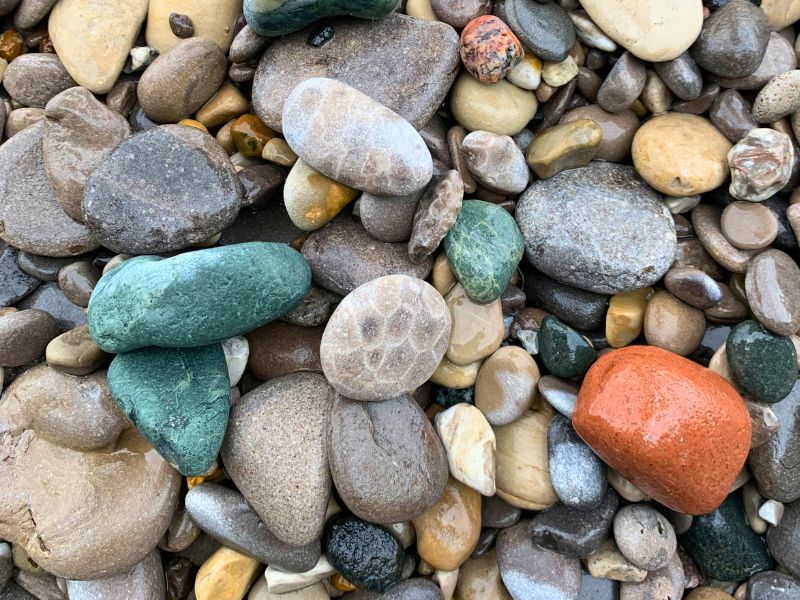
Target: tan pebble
x=442 y=275
x=706 y=220
x=446 y=580
x=625 y=488
x=193 y=123
x=749 y=225
x=625 y=316
x=278 y=151
x=226 y=575
x=115 y=261
x=228 y=103
x=500 y=108
x=673 y=325
x=656 y=96
x=470 y=445
x=225 y=138
x=618 y=130
x=639 y=108
x=719 y=364
x=455 y=140
x=496 y=162
x=213 y=19
x=565 y=146
x=609 y=563
x=779 y=98
x=544 y=92
x=420 y=9
x=557 y=74
x=506 y=385
x=453 y=376
x=728 y=310
x=479 y=579
x=527 y=74
x=477 y=329
x=312 y=199
x=708 y=593
x=22 y=118
x=75 y=352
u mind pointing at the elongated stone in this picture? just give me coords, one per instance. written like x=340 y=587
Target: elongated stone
x=270 y=18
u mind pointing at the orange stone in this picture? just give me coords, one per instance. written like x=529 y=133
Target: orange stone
x=676 y=430
x=251 y=135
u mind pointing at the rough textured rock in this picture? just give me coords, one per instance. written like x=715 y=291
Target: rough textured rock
x=33 y=79
x=24 y=335
x=436 y=213
x=15 y=284
x=143 y=581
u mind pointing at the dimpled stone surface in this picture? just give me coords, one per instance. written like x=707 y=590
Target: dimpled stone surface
x=484 y=247
x=386 y=338
x=178 y=399
x=196 y=298
x=703 y=432
x=279 y=18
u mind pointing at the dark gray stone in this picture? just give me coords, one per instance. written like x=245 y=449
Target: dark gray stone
x=778 y=58
x=15 y=284
x=496 y=512
x=694 y=287
x=577 y=473
x=44 y=268
x=51 y=299
x=579 y=308
x=389 y=218
x=771 y=585
x=272 y=224
x=682 y=76
x=144 y=580
x=13 y=592
x=700 y=104
x=594 y=588
x=783 y=541
x=623 y=85
x=731 y=114
x=315 y=309
x=544 y=28
x=414 y=589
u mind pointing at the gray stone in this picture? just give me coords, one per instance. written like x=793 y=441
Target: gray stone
x=778 y=58
x=247 y=45
x=31 y=12
x=44 y=268
x=779 y=98
x=6 y=564
x=666 y=583
x=22 y=118
x=693 y=286
x=595 y=588
x=544 y=28
x=730 y=113
x=436 y=213
x=13 y=592
x=496 y=512
x=627 y=241
x=225 y=515
x=24 y=335
x=773 y=291
x=576 y=472
x=389 y=218
x=414 y=589
x=33 y=79
x=6 y=6
x=783 y=541
x=623 y=85
x=700 y=104
x=559 y=393
x=644 y=536
x=51 y=299
x=143 y=581
x=578 y=308
x=772 y=585
x=272 y=224
x=15 y=284
x=413 y=87
x=315 y=309
x=682 y=76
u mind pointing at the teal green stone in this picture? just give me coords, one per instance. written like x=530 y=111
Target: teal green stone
x=178 y=398
x=564 y=351
x=196 y=298
x=723 y=545
x=484 y=247
x=764 y=365
x=275 y=17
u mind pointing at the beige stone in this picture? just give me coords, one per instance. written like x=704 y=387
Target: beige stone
x=420 y=9
x=781 y=13
x=228 y=103
x=479 y=579
x=557 y=74
x=470 y=445
x=446 y=580
x=93 y=38
x=278 y=151
x=315 y=591
x=442 y=275
x=226 y=575
x=75 y=352
x=506 y=386
x=672 y=324
x=523 y=474
x=625 y=488
x=527 y=73
x=500 y=108
x=608 y=563
x=625 y=316
x=477 y=329
x=312 y=199
x=719 y=364
x=653 y=30
x=566 y=146
x=708 y=593
x=282 y=582
x=213 y=19
x=450 y=375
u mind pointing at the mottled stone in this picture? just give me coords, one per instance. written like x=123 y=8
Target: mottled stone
x=24 y=335
x=144 y=581
x=436 y=214
x=364 y=553
x=644 y=536
x=33 y=79
x=779 y=58
x=578 y=308
x=761 y=164
x=773 y=291
x=772 y=585
x=577 y=474
x=609 y=563
x=470 y=445
x=618 y=130
x=496 y=162
x=666 y=582
x=544 y=28
x=15 y=284
x=778 y=98
x=489 y=49
x=315 y=309
x=389 y=218
x=623 y=84
x=782 y=540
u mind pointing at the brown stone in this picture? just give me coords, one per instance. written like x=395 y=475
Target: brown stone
x=77 y=281
x=706 y=220
x=279 y=348
x=455 y=140
x=436 y=213
x=618 y=130
x=773 y=291
x=693 y=286
x=566 y=146
x=479 y=579
x=506 y=386
x=623 y=84
x=24 y=335
x=74 y=352
x=730 y=113
x=749 y=225
x=457 y=13
x=477 y=329
x=673 y=325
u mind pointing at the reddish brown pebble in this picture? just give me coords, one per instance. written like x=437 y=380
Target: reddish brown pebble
x=251 y=135
x=11 y=44
x=489 y=49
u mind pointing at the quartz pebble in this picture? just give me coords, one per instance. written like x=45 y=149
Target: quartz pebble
x=496 y=162
x=470 y=444
x=761 y=164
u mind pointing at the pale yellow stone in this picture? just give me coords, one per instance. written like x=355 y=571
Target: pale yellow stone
x=708 y=593
x=446 y=580
x=228 y=103
x=781 y=13
x=193 y=123
x=93 y=38
x=278 y=151
x=527 y=73
x=557 y=74
x=420 y=9
x=470 y=445
x=625 y=316
x=213 y=19
x=719 y=364
x=226 y=575
x=523 y=473
x=477 y=329
x=3 y=67
x=450 y=375
x=625 y=488
x=500 y=108
x=312 y=199
x=442 y=275
x=608 y=563
x=311 y=592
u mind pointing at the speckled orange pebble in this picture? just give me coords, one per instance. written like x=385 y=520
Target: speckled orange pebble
x=489 y=49
x=674 y=429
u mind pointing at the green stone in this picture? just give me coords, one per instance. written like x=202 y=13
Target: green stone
x=564 y=351
x=279 y=17
x=449 y=397
x=723 y=545
x=178 y=398
x=196 y=298
x=484 y=247
x=764 y=365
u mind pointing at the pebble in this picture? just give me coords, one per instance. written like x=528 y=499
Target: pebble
x=143 y=580
x=778 y=98
x=772 y=585
x=700 y=104
x=589 y=33
x=477 y=329
x=43 y=268
x=51 y=299
x=24 y=335
x=15 y=283
x=418 y=589
x=655 y=96
x=95 y=60
x=497 y=513
x=250 y=135
x=496 y=162
x=386 y=461
x=763 y=364
x=260 y=185
x=213 y=20
x=706 y=220
x=680 y=154
x=31 y=12
x=672 y=324
x=527 y=74
x=577 y=474
x=546 y=29
x=22 y=118
x=625 y=317
x=278 y=349
x=578 y=308
x=749 y=226
x=479 y=579
x=33 y=79
x=389 y=218
x=618 y=130
x=609 y=563
x=228 y=103
x=529 y=571
x=122 y=97
x=315 y=591
x=275 y=451
x=470 y=445
x=564 y=352
x=761 y=164
x=247 y=45
x=765 y=421
x=682 y=76
x=561 y=394
x=623 y=84
x=281 y=582
x=181 y=25
x=312 y=199
x=731 y=115
x=414 y=88
x=501 y=108
x=159 y=283
x=693 y=287
x=366 y=554
x=617 y=425
x=226 y=575
x=488 y=48
x=773 y=291
x=271 y=20
x=436 y=214
x=505 y=387
x=644 y=536
x=74 y=352
x=779 y=58
x=556 y=74
x=625 y=214
x=667 y=582
x=782 y=540
x=569 y=145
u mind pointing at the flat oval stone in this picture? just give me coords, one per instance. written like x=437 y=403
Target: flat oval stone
x=577 y=474
x=672 y=324
x=33 y=79
x=74 y=352
x=477 y=329
x=143 y=580
x=773 y=291
x=456 y=14
x=51 y=299
x=500 y=108
x=566 y=146
x=625 y=214
x=782 y=540
x=623 y=84
x=389 y=218
x=178 y=399
x=228 y=282
x=578 y=308
x=77 y=280
x=693 y=286
x=706 y=220
x=618 y=130
x=505 y=387
x=544 y=28
x=496 y=161
x=619 y=411
x=181 y=171
x=278 y=348
x=564 y=352
x=385 y=338
x=387 y=463
x=778 y=98
x=682 y=76
x=24 y=335
x=274 y=19
x=749 y=225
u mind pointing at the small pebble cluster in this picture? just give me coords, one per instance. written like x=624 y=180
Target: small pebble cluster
x=428 y=300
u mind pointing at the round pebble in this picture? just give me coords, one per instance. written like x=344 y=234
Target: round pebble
x=748 y=226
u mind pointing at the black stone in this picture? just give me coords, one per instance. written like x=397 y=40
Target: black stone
x=15 y=284
x=321 y=36
x=771 y=585
x=581 y=309
x=544 y=28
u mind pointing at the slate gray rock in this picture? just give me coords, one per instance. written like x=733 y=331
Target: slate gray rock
x=51 y=299
x=682 y=76
x=24 y=335
x=779 y=58
x=772 y=585
x=33 y=79
x=594 y=588
x=15 y=284
x=496 y=512
x=576 y=472
x=162 y=190
x=623 y=85
x=44 y=268
x=13 y=592
x=783 y=541
x=224 y=514
x=626 y=242
x=544 y=28
x=389 y=218
x=413 y=87
x=572 y=532
x=315 y=309
x=578 y=308
x=386 y=460
x=143 y=581
x=414 y=589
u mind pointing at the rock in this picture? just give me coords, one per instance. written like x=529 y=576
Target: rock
x=93 y=39
x=667 y=582
x=31 y=218
x=386 y=461
x=623 y=84
x=496 y=161
x=22 y=118
x=693 y=286
x=436 y=214
x=275 y=452
x=779 y=58
x=389 y=218
x=673 y=325
x=135 y=282
x=278 y=349
x=772 y=585
x=782 y=540
x=280 y=20
x=315 y=308
x=79 y=133
x=247 y=45
x=618 y=130
x=625 y=214
x=780 y=13
x=227 y=104
x=448 y=531
x=577 y=474
x=315 y=591
x=578 y=308
x=773 y=291
x=479 y=579
x=49 y=298
x=24 y=335
x=344 y=256
x=574 y=532
x=706 y=221
x=530 y=571
x=377 y=314
x=77 y=280
x=483 y=247
x=564 y=352
x=477 y=329
x=458 y=14
x=312 y=199
x=557 y=74
x=470 y=445
x=547 y=29
x=143 y=580
x=616 y=423
x=625 y=317
x=505 y=387
x=366 y=554
x=561 y=394
x=280 y=582
x=682 y=76
x=644 y=536
x=501 y=108
x=569 y=145
x=74 y=352
x=723 y=545
x=15 y=284
x=33 y=79
x=31 y=12
x=778 y=98
x=227 y=574
x=609 y=563
x=413 y=88
x=666 y=146
x=207 y=19
x=761 y=164
x=749 y=225
x=497 y=513
x=527 y=74
x=730 y=113
x=415 y=589
x=763 y=364
x=489 y=49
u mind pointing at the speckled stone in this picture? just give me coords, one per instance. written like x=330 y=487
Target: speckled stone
x=779 y=98
x=164 y=287
x=561 y=394
x=782 y=540
x=682 y=76
x=415 y=588
x=773 y=291
x=772 y=585
x=623 y=84
x=436 y=213
x=33 y=79
x=544 y=28
x=389 y=218
x=74 y=352
x=644 y=536
x=143 y=580
x=24 y=335
x=779 y=58
x=496 y=162
x=15 y=284
x=489 y=49
x=315 y=309
x=563 y=350
x=666 y=582
x=761 y=164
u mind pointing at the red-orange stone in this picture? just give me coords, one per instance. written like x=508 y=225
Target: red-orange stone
x=489 y=49
x=676 y=430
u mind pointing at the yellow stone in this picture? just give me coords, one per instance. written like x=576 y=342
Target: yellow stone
x=708 y=593
x=420 y=9
x=312 y=199
x=527 y=74
x=781 y=13
x=565 y=146
x=500 y=108
x=442 y=275
x=213 y=19
x=451 y=375
x=193 y=123
x=477 y=329
x=217 y=475
x=226 y=575
x=625 y=317
x=278 y=151
x=557 y=74
x=228 y=103
x=341 y=584
x=225 y=138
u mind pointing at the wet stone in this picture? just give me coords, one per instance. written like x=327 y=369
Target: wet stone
x=682 y=76
x=544 y=28
x=563 y=350
x=773 y=291
x=772 y=585
x=436 y=214
x=618 y=130
x=730 y=113
x=693 y=286
x=749 y=225
x=15 y=284
x=489 y=49
x=623 y=85
x=578 y=308
x=779 y=58
x=577 y=474
x=77 y=280
x=644 y=536
x=51 y=299
x=24 y=335
x=761 y=164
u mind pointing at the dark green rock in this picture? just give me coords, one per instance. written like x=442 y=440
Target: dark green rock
x=723 y=545
x=484 y=247
x=764 y=365
x=564 y=351
x=196 y=298
x=448 y=397
x=178 y=399
x=270 y=18
x=367 y=555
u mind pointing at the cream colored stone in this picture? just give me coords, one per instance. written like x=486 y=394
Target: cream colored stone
x=625 y=316
x=226 y=575
x=3 y=67
x=22 y=118
x=74 y=352
x=404 y=532
x=625 y=488
x=420 y=9
x=477 y=329
x=93 y=38
x=781 y=13
x=312 y=199
x=653 y=30
x=608 y=563
x=719 y=364
x=479 y=579
x=527 y=73
x=523 y=474
x=212 y=19
x=589 y=33
x=506 y=385
x=557 y=74
x=228 y=103
x=500 y=108
x=281 y=582
x=450 y=375
x=446 y=580
x=312 y=592
x=114 y=262
x=278 y=151
x=442 y=275
x=470 y=445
